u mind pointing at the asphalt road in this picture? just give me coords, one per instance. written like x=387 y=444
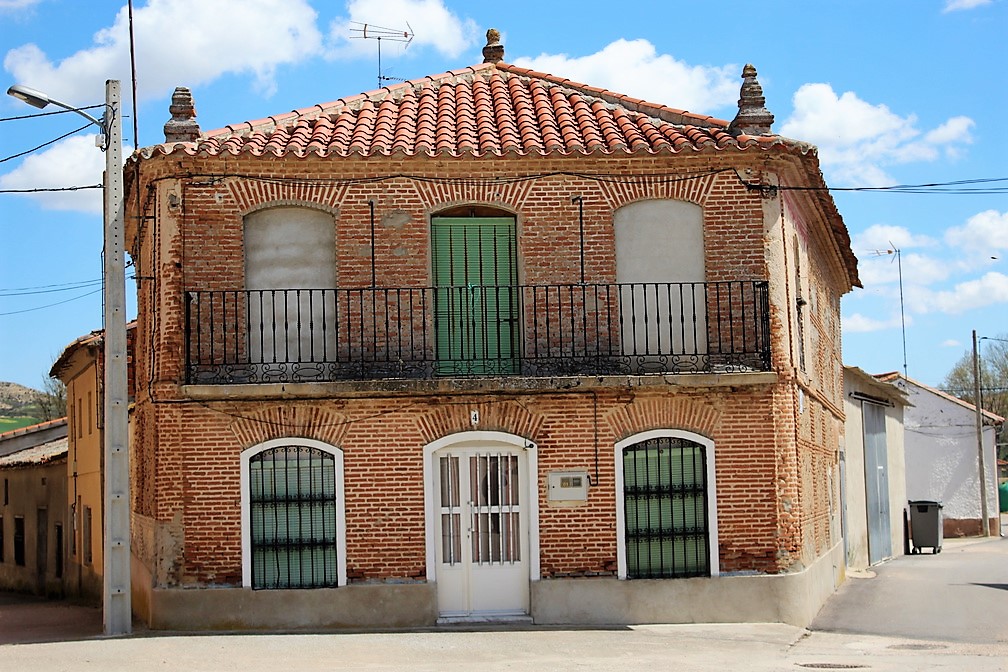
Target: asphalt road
x=958 y=595
x=939 y=613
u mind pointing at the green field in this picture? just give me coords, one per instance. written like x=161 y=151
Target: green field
x=7 y=424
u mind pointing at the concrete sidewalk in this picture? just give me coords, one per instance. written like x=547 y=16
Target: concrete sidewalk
x=751 y=647
x=40 y=636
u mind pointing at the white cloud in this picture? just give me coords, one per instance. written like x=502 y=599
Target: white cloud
x=633 y=67
x=858 y=323
x=179 y=42
x=990 y=289
x=858 y=140
x=433 y=25
x=70 y=163
x=883 y=237
x=956 y=5
x=985 y=234
x=11 y=5
x=952 y=343
x=917 y=269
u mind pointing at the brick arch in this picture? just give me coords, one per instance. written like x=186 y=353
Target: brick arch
x=252 y=195
x=437 y=195
x=690 y=189
x=662 y=413
x=504 y=416
x=290 y=420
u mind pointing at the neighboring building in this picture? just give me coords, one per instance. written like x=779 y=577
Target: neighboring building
x=80 y=367
x=33 y=508
x=31 y=436
x=942 y=457
x=488 y=344
x=874 y=479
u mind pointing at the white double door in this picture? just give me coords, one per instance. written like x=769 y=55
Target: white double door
x=481 y=531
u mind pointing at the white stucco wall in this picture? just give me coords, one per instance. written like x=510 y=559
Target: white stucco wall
x=942 y=461
x=855 y=498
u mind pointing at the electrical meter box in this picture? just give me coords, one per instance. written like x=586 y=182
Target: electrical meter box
x=568 y=486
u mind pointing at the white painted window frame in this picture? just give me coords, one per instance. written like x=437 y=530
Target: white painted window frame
x=531 y=494
x=712 y=529
x=246 y=535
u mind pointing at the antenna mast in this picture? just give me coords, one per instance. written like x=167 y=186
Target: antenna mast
x=371 y=32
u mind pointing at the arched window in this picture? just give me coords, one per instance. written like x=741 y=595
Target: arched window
x=475 y=272
x=666 y=506
x=290 y=277
x=293 y=532
x=661 y=270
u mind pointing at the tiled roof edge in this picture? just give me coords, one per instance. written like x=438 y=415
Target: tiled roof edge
x=38 y=427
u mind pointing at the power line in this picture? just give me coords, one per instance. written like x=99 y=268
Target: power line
x=69 y=287
x=931 y=187
x=50 y=305
x=60 y=284
x=47 y=114
x=44 y=144
x=49 y=189
x=953 y=187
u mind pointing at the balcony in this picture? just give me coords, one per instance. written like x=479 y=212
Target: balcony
x=538 y=331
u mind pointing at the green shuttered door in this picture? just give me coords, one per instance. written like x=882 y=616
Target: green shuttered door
x=475 y=275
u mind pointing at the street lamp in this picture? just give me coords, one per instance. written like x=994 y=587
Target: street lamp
x=116 y=596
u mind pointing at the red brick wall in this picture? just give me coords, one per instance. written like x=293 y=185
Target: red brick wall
x=383 y=440
x=773 y=499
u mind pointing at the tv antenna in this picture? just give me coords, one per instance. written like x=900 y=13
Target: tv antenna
x=895 y=251
x=369 y=31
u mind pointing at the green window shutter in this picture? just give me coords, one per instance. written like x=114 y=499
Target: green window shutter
x=292 y=514
x=665 y=507
x=475 y=278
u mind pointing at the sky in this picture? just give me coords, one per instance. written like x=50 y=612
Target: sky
x=899 y=92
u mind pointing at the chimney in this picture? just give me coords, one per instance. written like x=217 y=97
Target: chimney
x=493 y=52
x=753 y=118
x=182 y=126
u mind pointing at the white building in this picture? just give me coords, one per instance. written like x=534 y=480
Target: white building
x=942 y=456
x=873 y=469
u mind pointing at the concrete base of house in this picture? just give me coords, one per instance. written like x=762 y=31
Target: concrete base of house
x=367 y=606
x=793 y=598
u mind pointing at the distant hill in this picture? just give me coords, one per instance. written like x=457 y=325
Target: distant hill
x=18 y=406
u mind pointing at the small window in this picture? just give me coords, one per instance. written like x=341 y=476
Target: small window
x=86 y=536
x=90 y=414
x=59 y=550
x=293 y=517
x=19 y=541
x=665 y=509
x=6 y=492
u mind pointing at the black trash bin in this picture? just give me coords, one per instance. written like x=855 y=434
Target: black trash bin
x=926 y=525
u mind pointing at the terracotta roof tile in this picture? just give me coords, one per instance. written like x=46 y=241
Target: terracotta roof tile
x=46 y=453
x=487 y=109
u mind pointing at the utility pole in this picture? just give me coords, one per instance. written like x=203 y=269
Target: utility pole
x=984 y=522
x=116 y=501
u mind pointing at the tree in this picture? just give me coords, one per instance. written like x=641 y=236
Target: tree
x=993 y=382
x=52 y=401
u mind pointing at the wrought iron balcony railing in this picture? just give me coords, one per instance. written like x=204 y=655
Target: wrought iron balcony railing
x=311 y=335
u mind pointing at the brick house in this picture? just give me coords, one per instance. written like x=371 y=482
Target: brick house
x=488 y=344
